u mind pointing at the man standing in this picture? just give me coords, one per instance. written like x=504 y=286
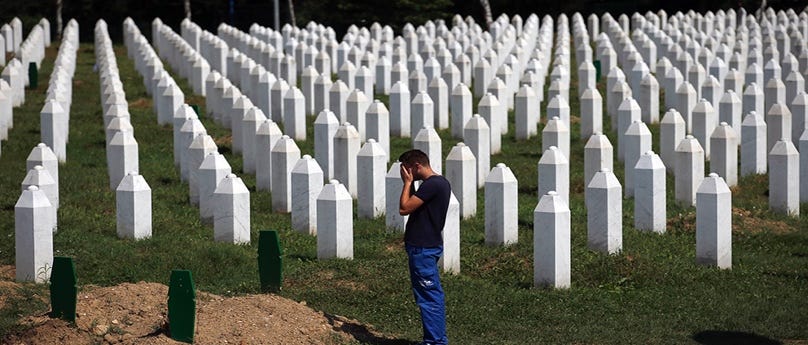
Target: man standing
x=423 y=240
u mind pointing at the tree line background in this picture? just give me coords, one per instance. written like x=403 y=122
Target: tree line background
x=339 y=14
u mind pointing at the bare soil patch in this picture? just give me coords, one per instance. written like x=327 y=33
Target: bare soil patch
x=137 y=314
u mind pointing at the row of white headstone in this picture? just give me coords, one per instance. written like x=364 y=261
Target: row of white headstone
x=35 y=213
x=222 y=197
x=560 y=87
x=784 y=120
x=14 y=76
x=514 y=179
x=472 y=205
x=305 y=183
x=133 y=197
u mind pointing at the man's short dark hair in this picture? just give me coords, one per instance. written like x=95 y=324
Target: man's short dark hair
x=414 y=156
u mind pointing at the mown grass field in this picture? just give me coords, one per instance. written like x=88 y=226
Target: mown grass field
x=652 y=292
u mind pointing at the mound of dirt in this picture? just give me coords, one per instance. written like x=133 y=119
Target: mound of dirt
x=136 y=314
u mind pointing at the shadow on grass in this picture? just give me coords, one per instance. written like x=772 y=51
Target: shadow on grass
x=362 y=333
x=732 y=337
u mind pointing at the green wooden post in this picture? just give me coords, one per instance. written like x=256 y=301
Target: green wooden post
x=597 y=70
x=270 y=261
x=181 y=306
x=63 y=289
x=33 y=76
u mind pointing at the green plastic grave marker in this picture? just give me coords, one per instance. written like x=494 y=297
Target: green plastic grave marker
x=63 y=289
x=597 y=70
x=195 y=107
x=33 y=76
x=270 y=262
x=181 y=306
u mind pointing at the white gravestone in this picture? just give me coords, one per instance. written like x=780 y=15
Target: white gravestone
x=334 y=222
x=181 y=115
x=42 y=155
x=355 y=107
x=325 y=127
x=753 y=145
x=439 y=93
x=232 y=214
x=729 y=111
x=598 y=155
x=450 y=261
x=784 y=180
x=377 y=123
x=556 y=133
x=133 y=200
x=628 y=112
x=266 y=137
x=778 y=124
x=649 y=99
x=346 y=147
x=460 y=108
x=724 y=147
x=803 y=148
x=284 y=155
x=214 y=169
x=294 y=114
x=704 y=120
x=237 y=114
x=40 y=177
x=33 y=236
x=671 y=132
x=551 y=242
x=714 y=223
x=489 y=108
x=638 y=140
x=686 y=101
x=461 y=171
x=117 y=124
x=190 y=129
x=525 y=104
x=53 y=118
x=400 y=110
x=202 y=145
x=604 y=212
x=553 y=173
x=689 y=170
x=393 y=186
x=558 y=106
x=307 y=78
x=422 y=112
x=250 y=125
x=752 y=99
x=307 y=183
x=799 y=116
x=337 y=98
x=122 y=155
x=591 y=112
x=371 y=166
x=322 y=86
x=650 y=205
x=501 y=205
x=476 y=136
x=429 y=142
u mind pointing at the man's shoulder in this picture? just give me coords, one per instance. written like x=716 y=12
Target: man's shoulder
x=437 y=181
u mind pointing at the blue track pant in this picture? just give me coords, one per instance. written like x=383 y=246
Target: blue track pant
x=428 y=292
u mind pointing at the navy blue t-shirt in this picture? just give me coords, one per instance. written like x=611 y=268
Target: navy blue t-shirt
x=425 y=224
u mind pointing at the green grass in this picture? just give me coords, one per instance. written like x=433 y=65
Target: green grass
x=652 y=292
